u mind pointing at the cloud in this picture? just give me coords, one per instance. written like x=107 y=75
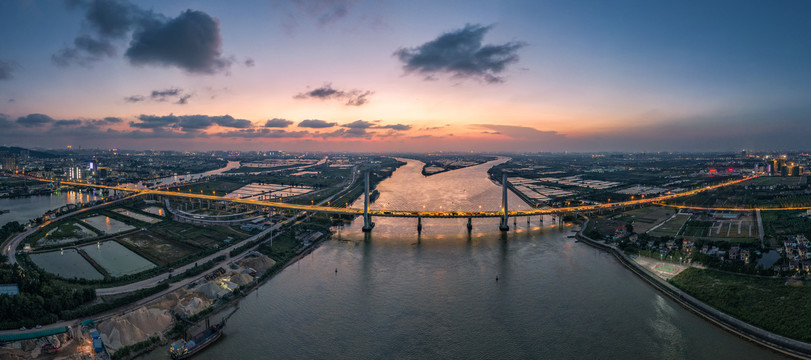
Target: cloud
x=461 y=54
x=397 y=127
x=113 y=18
x=161 y=95
x=324 y=12
x=134 y=98
x=264 y=133
x=67 y=122
x=172 y=94
x=316 y=124
x=278 y=123
x=188 y=122
x=348 y=133
x=326 y=92
x=7 y=68
x=190 y=42
x=85 y=51
x=362 y=124
x=5 y=122
x=249 y=62
x=106 y=121
x=359 y=124
x=34 y=120
x=521 y=132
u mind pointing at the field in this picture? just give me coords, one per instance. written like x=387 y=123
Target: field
x=778 y=180
x=646 y=218
x=767 y=303
x=671 y=227
x=196 y=235
x=780 y=223
x=155 y=248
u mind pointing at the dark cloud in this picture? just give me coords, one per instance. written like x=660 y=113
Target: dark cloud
x=521 y=132
x=172 y=94
x=326 y=92
x=362 y=124
x=162 y=95
x=397 y=127
x=154 y=122
x=461 y=54
x=249 y=62
x=278 y=123
x=359 y=124
x=85 y=51
x=67 y=122
x=5 y=122
x=323 y=12
x=264 y=133
x=188 y=122
x=106 y=121
x=7 y=68
x=113 y=18
x=190 y=41
x=347 y=133
x=183 y=99
x=316 y=124
x=34 y=120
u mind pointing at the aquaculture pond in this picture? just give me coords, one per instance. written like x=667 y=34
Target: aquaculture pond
x=67 y=264
x=107 y=225
x=117 y=259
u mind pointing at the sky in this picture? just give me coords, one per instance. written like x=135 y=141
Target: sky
x=406 y=76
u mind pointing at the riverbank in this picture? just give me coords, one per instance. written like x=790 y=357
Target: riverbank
x=752 y=333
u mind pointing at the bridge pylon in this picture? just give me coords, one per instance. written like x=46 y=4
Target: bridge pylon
x=504 y=225
x=368 y=225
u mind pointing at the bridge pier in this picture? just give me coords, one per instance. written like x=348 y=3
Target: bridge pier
x=505 y=225
x=368 y=225
x=419 y=224
x=469 y=224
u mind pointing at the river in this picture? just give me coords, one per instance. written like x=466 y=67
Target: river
x=32 y=207
x=399 y=295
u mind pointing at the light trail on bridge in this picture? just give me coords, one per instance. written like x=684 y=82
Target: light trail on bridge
x=441 y=214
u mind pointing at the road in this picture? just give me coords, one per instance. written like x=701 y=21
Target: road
x=429 y=214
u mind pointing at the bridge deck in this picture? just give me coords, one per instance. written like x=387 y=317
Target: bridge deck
x=423 y=214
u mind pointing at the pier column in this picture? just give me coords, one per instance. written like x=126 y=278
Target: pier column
x=469 y=224
x=505 y=225
x=367 y=219
x=419 y=224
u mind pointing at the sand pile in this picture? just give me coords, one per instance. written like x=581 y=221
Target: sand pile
x=259 y=263
x=241 y=279
x=134 y=327
x=211 y=290
x=191 y=305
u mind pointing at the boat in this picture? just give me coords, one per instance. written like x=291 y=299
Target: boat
x=184 y=349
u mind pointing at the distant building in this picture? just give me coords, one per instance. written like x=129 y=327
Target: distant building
x=75 y=173
x=9 y=161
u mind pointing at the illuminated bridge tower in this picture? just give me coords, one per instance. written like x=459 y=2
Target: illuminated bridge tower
x=367 y=220
x=504 y=226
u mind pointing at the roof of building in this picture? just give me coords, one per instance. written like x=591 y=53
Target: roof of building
x=9 y=289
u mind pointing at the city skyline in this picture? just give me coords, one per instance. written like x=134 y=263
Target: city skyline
x=366 y=76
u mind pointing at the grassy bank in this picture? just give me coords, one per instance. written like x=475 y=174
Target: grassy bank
x=763 y=302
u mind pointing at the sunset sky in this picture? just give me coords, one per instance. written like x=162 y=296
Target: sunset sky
x=349 y=75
